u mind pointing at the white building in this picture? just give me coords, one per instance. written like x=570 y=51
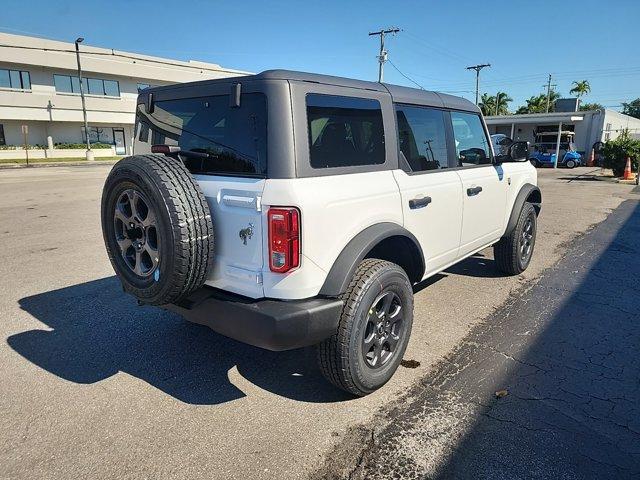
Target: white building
x=39 y=88
x=588 y=127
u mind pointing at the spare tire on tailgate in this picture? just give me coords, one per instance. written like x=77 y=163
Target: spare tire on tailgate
x=157 y=228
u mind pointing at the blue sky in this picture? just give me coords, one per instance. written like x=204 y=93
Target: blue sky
x=524 y=41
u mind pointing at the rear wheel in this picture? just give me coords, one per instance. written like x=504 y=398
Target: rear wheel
x=374 y=329
x=513 y=253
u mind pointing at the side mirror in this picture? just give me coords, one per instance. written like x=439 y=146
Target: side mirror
x=519 y=152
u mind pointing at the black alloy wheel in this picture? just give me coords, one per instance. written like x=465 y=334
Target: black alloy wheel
x=136 y=232
x=383 y=330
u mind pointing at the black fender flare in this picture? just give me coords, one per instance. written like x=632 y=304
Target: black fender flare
x=524 y=193
x=355 y=251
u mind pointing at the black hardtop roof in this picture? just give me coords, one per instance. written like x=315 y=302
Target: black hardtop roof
x=398 y=93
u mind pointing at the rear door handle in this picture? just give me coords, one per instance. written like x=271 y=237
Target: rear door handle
x=421 y=202
x=473 y=191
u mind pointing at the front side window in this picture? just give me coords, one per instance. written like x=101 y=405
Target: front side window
x=234 y=140
x=15 y=79
x=344 y=131
x=472 y=146
x=422 y=137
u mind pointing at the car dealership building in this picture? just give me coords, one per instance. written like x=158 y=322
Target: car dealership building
x=40 y=94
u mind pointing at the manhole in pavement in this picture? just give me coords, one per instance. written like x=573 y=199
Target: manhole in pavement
x=410 y=363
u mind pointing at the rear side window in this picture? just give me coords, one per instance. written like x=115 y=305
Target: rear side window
x=422 y=137
x=235 y=138
x=472 y=146
x=344 y=131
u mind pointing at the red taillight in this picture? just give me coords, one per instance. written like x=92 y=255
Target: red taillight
x=166 y=149
x=284 y=239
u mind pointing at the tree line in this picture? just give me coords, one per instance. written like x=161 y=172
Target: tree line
x=498 y=104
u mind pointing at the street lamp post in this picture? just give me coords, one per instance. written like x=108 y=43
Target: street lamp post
x=90 y=156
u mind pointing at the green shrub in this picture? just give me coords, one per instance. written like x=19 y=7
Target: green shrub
x=20 y=147
x=615 y=153
x=80 y=146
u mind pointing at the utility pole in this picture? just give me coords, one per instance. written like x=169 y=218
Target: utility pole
x=383 y=53
x=549 y=86
x=497 y=102
x=477 y=68
x=89 y=153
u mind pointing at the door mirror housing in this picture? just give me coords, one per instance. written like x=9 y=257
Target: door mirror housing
x=518 y=152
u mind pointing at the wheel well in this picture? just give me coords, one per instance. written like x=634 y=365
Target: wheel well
x=535 y=198
x=401 y=251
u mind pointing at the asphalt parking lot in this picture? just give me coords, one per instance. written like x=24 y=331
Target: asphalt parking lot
x=95 y=386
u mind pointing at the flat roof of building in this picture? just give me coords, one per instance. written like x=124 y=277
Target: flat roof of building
x=42 y=52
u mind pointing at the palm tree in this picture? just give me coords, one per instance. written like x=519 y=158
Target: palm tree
x=538 y=103
x=487 y=104
x=580 y=88
x=502 y=103
x=495 y=104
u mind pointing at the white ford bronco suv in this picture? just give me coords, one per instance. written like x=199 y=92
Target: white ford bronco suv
x=288 y=209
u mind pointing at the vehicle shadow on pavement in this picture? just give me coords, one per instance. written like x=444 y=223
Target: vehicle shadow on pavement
x=98 y=331
x=477 y=265
x=565 y=360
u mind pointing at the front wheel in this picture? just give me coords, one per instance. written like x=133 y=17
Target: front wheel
x=513 y=252
x=570 y=164
x=373 y=331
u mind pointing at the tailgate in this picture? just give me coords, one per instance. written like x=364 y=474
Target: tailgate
x=236 y=211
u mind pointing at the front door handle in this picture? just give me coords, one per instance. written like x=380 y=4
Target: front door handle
x=421 y=202
x=473 y=191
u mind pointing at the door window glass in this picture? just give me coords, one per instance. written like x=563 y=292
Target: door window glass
x=472 y=146
x=422 y=137
x=344 y=131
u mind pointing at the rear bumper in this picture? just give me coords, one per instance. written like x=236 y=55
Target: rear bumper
x=271 y=324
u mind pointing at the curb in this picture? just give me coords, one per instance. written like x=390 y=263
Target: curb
x=83 y=163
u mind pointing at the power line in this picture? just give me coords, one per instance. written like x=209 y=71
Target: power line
x=405 y=76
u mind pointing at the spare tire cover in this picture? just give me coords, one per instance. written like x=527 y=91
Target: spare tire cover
x=157 y=228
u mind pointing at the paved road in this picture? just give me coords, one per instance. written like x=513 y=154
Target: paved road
x=94 y=386
x=564 y=357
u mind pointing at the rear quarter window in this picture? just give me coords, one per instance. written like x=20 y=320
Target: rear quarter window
x=344 y=131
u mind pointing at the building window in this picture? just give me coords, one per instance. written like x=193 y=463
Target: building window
x=95 y=86
x=98 y=135
x=15 y=79
x=3 y=141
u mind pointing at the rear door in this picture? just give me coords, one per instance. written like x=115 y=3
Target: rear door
x=231 y=168
x=431 y=192
x=484 y=188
